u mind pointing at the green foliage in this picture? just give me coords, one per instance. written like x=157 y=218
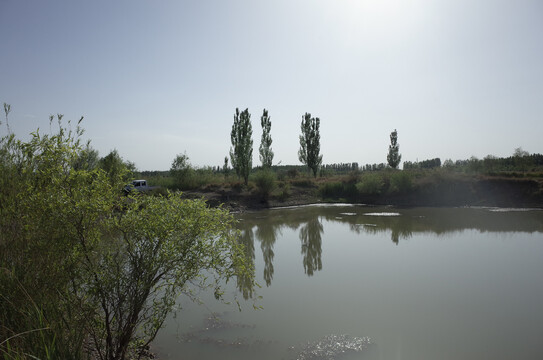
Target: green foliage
x=159 y=244
x=284 y=194
x=338 y=190
x=292 y=173
x=183 y=173
x=265 y=181
x=241 y=152
x=266 y=153
x=87 y=159
x=114 y=165
x=394 y=157
x=7 y=110
x=310 y=143
x=303 y=183
x=400 y=182
x=225 y=168
x=331 y=189
x=86 y=270
x=371 y=184
x=43 y=214
x=425 y=164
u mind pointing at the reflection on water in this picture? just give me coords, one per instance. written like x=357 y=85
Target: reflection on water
x=247 y=239
x=311 y=238
x=422 y=283
x=267 y=235
x=400 y=223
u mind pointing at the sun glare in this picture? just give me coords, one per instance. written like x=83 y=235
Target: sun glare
x=381 y=17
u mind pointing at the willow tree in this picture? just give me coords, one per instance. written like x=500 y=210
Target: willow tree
x=241 y=152
x=310 y=143
x=266 y=153
x=394 y=157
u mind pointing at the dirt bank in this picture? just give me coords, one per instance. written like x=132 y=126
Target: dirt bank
x=500 y=192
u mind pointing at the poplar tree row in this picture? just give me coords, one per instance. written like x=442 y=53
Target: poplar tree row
x=241 y=152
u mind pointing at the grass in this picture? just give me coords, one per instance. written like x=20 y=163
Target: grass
x=384 y=186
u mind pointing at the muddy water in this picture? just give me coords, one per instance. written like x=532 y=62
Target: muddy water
x=356 y=282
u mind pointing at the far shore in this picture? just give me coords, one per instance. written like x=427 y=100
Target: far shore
x=493 y=192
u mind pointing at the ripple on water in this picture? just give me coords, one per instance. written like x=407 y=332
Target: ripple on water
x=512 y=209
x=383 y=214
x=331 y=347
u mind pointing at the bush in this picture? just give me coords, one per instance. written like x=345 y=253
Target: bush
x=400 y=182
x=265 y=181
x=285 y=191
x=72 y=249
x=292 y=173
x=302 y=183
x=370 y=184
x=183 y=173
x=332 y=190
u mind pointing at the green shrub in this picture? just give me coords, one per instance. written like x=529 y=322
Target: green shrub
x=285 y=191
x=332 y=190
x=400 y=182
x=370 y=184
x=292 y=173
x=265 y=181
x=353 y=177
x=302 y=182
x=72 y=248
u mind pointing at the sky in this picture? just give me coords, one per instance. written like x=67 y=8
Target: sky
x=153 y=79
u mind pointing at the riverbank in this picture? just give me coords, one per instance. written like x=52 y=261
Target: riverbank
x=438 y=191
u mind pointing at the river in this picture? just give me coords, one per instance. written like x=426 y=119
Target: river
x=359 y=282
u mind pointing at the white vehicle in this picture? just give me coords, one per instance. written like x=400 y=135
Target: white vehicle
x=139 y=185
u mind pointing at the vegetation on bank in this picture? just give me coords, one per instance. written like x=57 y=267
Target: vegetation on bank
x=505 y=182
x=88 y=272
x=424 y=182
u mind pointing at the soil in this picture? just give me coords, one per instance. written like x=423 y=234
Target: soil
x=248 y=200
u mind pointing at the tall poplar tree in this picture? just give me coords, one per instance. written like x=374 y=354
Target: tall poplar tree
x=310 y=143
x=266 y=153
x=241 y=152
x=394 y=157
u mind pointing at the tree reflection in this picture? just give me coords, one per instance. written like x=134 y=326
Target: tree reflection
x=267 y=234
x=400 y=227
x=399 y=233
x=311 y=238
x=398 y=224
x=247 y=239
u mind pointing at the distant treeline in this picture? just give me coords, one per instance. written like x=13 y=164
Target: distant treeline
x=425 y=164
x=492 y=164
x=489 y=164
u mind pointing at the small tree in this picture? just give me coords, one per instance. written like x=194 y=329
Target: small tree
x=87 y=159
x=182 y=172
x=7 y=109
x=265 y=182
x=519 y=152
x=394 y=157
x=310 y=143
x=114 y=165
x=225 y=167
x=521 y=159
x=241 y=152
x=266 y=153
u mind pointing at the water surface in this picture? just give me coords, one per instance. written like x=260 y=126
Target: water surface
x=423 y=283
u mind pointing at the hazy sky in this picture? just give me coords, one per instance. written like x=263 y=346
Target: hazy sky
x=456 y=78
